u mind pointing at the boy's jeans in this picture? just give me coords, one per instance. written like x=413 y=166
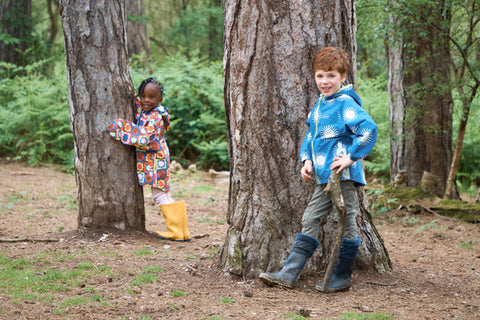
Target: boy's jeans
x=321 y=204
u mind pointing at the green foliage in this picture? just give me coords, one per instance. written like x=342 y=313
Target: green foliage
x=371 y=31
x=391 y=197
x=373 y=93
x=34 y=117
x=8 y=39
x=144 y=251
x=227 y=300
x=194 y=95
x=179 y=293
x=365 y=316
x=27 y=279
x=294 y=316
x=198 y=30
x=467 y=244
x=468 y=175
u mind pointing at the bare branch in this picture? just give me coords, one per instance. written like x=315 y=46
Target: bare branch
x=335 y=191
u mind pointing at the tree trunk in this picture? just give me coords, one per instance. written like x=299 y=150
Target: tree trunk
x=421 y=101
x=101 y=90
x=15 y=20
x=269 y=91
x=53 y=8
x=138 y=41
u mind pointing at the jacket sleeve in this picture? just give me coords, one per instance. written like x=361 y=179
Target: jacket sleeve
x=365 y=133
x=143 y=137
x=306 y=148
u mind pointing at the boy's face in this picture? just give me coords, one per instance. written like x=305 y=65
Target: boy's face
x=150 y=97
x=329 y=82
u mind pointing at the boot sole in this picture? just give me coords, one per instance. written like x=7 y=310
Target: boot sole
x=274 y=282
x=331 y=290
x=163 y=238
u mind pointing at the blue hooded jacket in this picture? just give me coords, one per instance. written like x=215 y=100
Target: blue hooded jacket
x=338 y=125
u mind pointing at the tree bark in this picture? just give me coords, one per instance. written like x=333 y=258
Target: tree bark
x=269 y=91
x=138 y=40
x=101 y=90
x=421 y=104
x=15 y=20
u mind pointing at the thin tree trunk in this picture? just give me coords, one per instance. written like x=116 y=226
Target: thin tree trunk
x=462 y=128
x=53 y=8
x=269 y=91
x=467 y=90
x=138 y=40
x=100 y=90
x=15 y=20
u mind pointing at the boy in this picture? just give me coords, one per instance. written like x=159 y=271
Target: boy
x=340 y=134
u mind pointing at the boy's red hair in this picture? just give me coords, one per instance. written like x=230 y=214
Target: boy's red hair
x=331 y=58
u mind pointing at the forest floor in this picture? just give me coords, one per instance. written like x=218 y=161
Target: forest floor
x=79 y=274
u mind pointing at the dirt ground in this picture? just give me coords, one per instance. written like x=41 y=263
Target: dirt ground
x=436 y=261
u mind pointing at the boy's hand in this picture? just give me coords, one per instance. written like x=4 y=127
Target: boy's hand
x=341 y=162
x=307 y=170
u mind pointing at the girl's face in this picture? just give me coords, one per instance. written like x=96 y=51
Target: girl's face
x=329 y=82
x=150 y=97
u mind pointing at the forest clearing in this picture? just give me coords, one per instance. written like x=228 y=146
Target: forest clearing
x=90 y=274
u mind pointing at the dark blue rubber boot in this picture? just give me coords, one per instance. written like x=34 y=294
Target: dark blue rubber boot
x=342 y=273
x=302 y=251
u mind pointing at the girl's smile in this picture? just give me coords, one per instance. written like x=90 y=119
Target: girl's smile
x=151 y=97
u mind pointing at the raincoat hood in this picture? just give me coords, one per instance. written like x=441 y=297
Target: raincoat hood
x=348 y=90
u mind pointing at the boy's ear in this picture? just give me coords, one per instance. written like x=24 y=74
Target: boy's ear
x=344 y=76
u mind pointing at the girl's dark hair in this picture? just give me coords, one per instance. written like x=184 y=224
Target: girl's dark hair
x=147 y=81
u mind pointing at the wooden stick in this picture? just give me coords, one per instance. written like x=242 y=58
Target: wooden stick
x=29 y=240
x=335 y=191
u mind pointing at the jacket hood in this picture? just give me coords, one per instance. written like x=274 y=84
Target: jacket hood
x=348 y=90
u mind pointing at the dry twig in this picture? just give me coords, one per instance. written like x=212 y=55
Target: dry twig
x=29 y=240
x=334 y=190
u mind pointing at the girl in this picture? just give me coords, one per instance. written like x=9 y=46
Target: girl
x=153 y=156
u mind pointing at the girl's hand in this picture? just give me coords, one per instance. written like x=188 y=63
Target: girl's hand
x=341 y=162
x=307 y=170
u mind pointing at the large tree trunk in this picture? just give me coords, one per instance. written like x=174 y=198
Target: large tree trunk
x=100 y=90
x=15 y=20
x=269 y=91
x=421 y=100
x=137 y=36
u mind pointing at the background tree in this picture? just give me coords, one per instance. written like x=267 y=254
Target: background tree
x=465 y=62
x=15 y=30
x=269 y=90
x=420 y=91
x=53 y=9
x=137 y=36
x=99 y=91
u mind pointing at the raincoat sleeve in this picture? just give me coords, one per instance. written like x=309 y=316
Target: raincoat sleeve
x=365 y=134
x=147 y=137
x=306 y=148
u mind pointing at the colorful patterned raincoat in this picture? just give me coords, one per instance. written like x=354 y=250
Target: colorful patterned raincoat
x=148 y=136
x=338 y=125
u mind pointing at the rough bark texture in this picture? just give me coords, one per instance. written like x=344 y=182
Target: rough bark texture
x=138 y=41
x=421 y=101
x=100 y=90
x=15 y=20
x=269 y=91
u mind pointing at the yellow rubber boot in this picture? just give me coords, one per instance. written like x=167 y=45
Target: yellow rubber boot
x=175 y=215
